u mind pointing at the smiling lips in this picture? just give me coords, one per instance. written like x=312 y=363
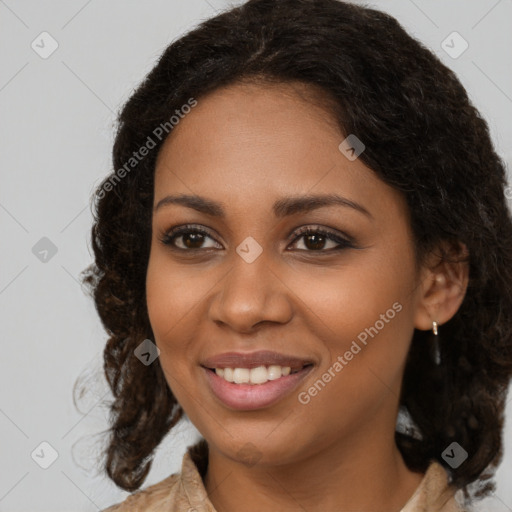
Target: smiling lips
x=258 y=375
x=255 y=380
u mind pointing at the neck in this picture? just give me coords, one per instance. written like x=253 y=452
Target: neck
x=368 y=473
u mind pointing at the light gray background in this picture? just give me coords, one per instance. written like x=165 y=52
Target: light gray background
x=56 y=133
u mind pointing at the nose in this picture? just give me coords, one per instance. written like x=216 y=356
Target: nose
x=251 y=294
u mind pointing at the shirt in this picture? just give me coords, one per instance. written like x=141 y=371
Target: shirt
x=185 y=491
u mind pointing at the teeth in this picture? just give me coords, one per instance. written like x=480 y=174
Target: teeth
x=274 y=372
x=258 y=375
x=241 y=375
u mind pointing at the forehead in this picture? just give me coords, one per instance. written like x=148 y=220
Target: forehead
x=258 y=142
x=243 y=114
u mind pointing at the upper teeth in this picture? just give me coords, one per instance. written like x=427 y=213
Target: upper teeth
x=258 y=375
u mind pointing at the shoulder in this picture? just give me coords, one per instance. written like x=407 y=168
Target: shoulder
x=178 y=492
x=434 y=494
x=155 y=497
x=442 y=495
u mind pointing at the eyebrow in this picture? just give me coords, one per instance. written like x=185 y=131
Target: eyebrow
x=282 y=207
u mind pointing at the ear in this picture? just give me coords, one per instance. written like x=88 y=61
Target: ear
x=443 y=282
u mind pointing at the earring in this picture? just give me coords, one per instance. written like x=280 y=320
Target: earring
x=436 y=355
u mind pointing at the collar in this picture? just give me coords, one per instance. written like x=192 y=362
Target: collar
x=434 y=494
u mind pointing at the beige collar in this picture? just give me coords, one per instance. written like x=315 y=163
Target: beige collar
x=185 y=491
x=432 y=495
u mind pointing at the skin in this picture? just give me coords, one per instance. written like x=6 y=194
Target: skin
x=246 y=146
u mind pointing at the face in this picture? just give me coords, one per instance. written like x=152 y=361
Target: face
x=312 y=300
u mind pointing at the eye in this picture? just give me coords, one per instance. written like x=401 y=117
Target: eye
x=316 y=239
x=192 y=238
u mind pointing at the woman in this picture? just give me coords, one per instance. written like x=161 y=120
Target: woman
x=305 y=234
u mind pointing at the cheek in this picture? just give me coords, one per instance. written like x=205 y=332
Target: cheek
x=171 y=299
x=367 y=308
x=172 y=292
x=369 y=335
x=352 y=297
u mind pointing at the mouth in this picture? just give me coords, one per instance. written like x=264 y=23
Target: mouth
x=256 y=380
x=256 y=376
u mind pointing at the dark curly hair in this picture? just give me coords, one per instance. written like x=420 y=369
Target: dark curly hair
x=423 y=137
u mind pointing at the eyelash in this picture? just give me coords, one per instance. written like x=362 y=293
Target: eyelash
x=343 y=243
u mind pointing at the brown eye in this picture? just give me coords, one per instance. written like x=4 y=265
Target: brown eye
x=316 y=240
x=188 y=238
x=192 y=240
